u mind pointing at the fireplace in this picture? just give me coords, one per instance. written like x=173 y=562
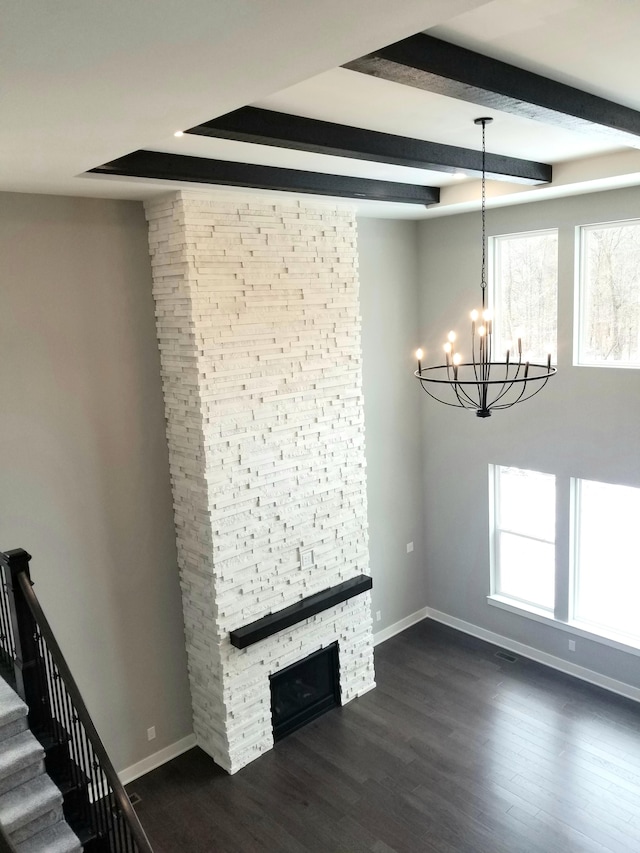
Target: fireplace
x=304 y=691
x=259 y=335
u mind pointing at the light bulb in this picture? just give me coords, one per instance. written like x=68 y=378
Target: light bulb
x=451 y=336
x=519 y=333
x=457 y=358
x=486 y=315
x=179 y=133
x=419 y=354
x=508 y=346
x=481 y=331
x=474 y=315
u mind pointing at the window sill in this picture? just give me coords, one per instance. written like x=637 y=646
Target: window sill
x=623 y=644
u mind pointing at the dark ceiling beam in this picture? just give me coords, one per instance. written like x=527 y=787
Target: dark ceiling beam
x=438 y=66
x=179 y=167
x=265 y=127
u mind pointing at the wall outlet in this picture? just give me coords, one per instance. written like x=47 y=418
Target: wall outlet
x=306 y=558
x=378 y=615
x=409 y=547
x=572 y=645
x=151 y=733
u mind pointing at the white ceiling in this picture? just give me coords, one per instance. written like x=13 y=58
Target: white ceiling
x=85 y=82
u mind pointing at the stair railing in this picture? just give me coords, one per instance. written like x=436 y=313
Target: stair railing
x=7 y=643
x=97 y=806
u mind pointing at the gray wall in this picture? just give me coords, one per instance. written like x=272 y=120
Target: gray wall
x=83 y=458
x=586 y=423
x=392 y=406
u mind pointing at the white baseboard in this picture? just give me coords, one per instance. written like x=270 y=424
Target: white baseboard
x=568 y=668
x=175 y=749
x=156 y=759
x=402 y=625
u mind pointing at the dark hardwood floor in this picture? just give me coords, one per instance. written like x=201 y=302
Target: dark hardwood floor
x=456 y=751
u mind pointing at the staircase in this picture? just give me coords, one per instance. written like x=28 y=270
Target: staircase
x=30 y=804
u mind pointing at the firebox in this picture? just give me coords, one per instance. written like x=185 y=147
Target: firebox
x=304 y=691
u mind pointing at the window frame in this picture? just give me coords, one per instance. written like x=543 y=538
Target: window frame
x=594 y=627
x=495 y=550
x=495 y=289
x=566 y=564
x=579 y=326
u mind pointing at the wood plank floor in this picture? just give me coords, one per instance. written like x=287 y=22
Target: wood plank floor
x=456 y=751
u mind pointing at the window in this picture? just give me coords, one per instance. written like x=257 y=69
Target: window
x=586 y=579
x=606 y=563
x=525 y=292
x=524 y=536
x=609 y=295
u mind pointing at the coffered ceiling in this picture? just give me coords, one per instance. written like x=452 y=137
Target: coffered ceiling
x=264 y=91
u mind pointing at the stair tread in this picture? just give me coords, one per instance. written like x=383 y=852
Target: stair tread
x=27 y=802
x=11 y=705
x=55 y=839
x=19 y=751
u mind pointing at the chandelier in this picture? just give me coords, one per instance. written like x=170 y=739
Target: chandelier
x=480 y=383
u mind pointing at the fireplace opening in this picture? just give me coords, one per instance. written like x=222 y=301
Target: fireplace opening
x=304 y=691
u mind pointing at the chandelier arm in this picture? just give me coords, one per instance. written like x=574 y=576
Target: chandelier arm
x=502 y=393
x=507 y=385
x=464 y=400
x=537 y=390
x=523 y=399
x=460 y=389
x=518 y=368
x=521 y=394
x=459 y=405
x=457 y=390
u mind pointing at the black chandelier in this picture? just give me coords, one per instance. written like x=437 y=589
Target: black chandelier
x=482 y=384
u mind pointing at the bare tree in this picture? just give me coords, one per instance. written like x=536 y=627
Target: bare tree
x=610 y=294
x=527 y=290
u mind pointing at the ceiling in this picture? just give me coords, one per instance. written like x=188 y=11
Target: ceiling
x=86 y=82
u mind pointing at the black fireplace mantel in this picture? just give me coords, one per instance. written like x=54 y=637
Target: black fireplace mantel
x=298 y=612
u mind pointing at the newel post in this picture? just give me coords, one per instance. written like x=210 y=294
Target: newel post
x=29 y=666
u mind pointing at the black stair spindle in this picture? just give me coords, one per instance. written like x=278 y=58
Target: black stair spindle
x=95 y=803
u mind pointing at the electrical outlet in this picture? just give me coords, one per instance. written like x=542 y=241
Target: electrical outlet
x=151 y=733
x=306 y=558
x=378 y=615
x=409 y=547
x=572 y=645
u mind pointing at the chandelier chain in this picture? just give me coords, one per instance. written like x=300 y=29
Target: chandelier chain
x=483 y=204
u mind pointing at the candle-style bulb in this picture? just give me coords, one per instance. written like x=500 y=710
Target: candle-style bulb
x=447 y=347
x=474 y=315
x=419 y=354
x=486 y=315
x=451 y=336
x=481 y=331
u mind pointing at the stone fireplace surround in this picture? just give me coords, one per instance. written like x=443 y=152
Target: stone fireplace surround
x=259 y=333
